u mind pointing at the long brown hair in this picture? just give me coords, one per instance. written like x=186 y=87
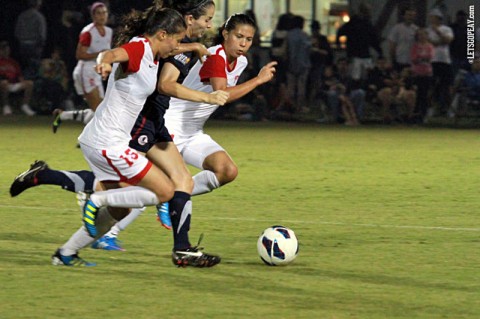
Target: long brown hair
x=149 y=22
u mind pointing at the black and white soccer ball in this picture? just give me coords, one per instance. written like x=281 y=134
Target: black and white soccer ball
x=277 y=245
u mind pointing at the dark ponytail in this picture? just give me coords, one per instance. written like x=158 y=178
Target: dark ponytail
x=149 y=22
x=196 y=8
x=232 y=22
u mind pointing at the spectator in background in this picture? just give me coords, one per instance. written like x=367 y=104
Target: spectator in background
x=401 y=39
x=354 y=94
x=298 y=45
x=279 y=53
x=321 y=55
x=53 y=83
x=380 y=83
x=361 y=36
x=440 y=36
x=458 y=46
x=467 y=90
x=421 y=56
x=31 y=35
x=12 y=81
x=335 y=83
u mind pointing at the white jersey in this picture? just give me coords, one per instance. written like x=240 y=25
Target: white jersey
x=96 y=42
x=186 y=118
x=129 y=85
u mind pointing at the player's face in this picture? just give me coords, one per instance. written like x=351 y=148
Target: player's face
x=169 y=44
x=200 y=25
x=238 y=41
x=100 y=15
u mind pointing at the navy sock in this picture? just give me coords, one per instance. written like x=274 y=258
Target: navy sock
x=180 y=212
x=73 y=181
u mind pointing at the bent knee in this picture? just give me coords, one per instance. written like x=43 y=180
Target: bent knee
x=227 y=174
x=166 y=193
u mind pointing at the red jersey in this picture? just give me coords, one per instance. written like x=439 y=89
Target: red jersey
x=10 y=70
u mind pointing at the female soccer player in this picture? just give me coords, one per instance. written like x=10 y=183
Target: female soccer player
x=94 y=38
x=152 y=138
x=185 y=120
x=104 y=141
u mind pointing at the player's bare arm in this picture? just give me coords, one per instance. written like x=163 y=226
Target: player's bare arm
x=168 y=85
x=265 y=75
x=106 y=58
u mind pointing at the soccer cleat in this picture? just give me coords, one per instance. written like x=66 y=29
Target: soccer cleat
x=57 y=121
x=163 y=215
x=90 y=211
x=194 y=257
x=27 y=179
x=107 y=243
x=73 y=260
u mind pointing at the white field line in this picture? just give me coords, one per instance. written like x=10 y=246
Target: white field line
x=459 y=229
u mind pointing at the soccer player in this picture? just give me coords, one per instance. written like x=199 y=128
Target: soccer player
x=151 y=35
x=94 y=38
x=153 y=136
x=221 y=70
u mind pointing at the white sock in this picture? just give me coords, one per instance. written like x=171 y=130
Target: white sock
x=77 y=241
x=205 y=182
x=80 y=116
x=114 y=231
x=123 y=223
x=87 y=115
x=127 y=197
x=81 y=238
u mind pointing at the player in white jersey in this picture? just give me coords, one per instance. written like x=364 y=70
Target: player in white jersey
x=94 y=38
x=220 y=71
x=104 y=141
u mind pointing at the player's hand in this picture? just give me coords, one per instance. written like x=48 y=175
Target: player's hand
x=218 y=97
x=104 y=69
x=267 y=72
x=201 y=51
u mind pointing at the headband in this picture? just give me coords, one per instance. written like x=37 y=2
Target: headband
x=95 y=6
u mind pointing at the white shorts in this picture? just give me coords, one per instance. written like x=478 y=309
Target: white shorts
x=360 y=67
x=113 y=165
x=196 y=148
x=13 y=88
x=85 y=80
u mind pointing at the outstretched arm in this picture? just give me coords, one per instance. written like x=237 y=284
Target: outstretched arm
x=265 y=75
x=168 y=85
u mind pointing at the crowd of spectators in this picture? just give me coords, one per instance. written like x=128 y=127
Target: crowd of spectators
x=424 y=72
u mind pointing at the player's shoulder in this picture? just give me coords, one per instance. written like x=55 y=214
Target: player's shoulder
x=88 y=28
x=217 y=50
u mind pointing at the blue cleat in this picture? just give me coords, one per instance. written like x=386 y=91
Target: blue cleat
x=163 y=215
x=90 y=211
x=107 y=243
x=72 y=261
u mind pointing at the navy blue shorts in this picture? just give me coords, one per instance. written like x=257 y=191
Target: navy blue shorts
x=147 y=133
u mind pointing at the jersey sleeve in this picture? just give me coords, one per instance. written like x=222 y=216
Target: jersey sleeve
x=85 y=39
x=213 y=67
x=135 y=51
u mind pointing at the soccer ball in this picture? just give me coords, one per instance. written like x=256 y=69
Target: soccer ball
x=277 y=245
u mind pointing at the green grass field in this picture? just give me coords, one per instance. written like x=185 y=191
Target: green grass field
x=387 y=219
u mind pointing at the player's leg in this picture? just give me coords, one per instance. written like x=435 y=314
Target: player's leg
x=153 y=185
x=218 y=167
x=60 y=115
x=94 y=97
x=27 y=87
x=40 y=174
x=166 y=156
x=67 y=254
